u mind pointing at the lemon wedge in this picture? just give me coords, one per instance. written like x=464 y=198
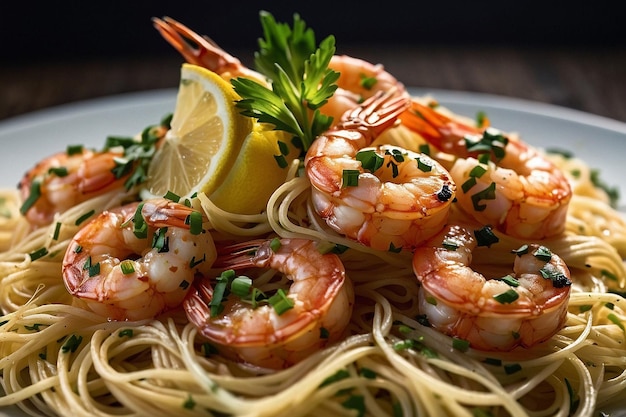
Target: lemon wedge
x=256 y=174
x=206 y=135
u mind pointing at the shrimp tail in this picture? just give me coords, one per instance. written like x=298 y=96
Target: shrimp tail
x=378 y=113
x=438 y=129
x=243 y=255
x=196 y=49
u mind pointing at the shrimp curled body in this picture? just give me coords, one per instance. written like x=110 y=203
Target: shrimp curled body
x=400 y=201
x=122 y=276
x=61 y=181
x=321 y=294
x=522 y=309
x=518 y=191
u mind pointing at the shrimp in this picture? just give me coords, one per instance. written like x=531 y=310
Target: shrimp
x=524 y=308
x=515 y=189
x=384 y=197
x=358 y=79
x=122 y=274
x=203 y=51
x=61 y=181
x=319 y=305
x=65 y=179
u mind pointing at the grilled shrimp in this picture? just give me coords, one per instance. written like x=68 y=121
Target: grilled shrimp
x=384 y=197
x=358 y=79
x=138 y=260
x=523 y=308
x=313 y=313
x=504 y=182
x=65 y=179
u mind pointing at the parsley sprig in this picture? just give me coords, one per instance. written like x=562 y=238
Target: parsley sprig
x=301 y=81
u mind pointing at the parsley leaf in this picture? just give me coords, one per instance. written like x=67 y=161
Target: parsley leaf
x=301 y=81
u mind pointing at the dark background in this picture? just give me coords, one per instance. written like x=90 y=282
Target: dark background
x=76 y=30
x=566 y=53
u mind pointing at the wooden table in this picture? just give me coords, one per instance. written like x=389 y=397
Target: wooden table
x=590 y=80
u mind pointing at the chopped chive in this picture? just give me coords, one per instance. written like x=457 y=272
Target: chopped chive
x=283 y=148
x=350 y=178
x=172 y=196
x=404 y=329
x=370 y=160
x=424 y=148
x=444 y=194
x=184 y=284
x=467 y=185
x=140 y=227
x=608 y=274
x=574 y=401
x=585 y=308
x=84 y=217
x=57 y=231
x=512 y=368
x=208 y=349
x=367 y=373
x=72 y=344
x=126 y=333
x=74 y=149
x=394 y=168
x=127 y=267
x=337 y=376
x=522 y=250
x=493 y=361
x=33 y=196
x=542 y=253
x=431 y=300
x=450 y=244
x=189 y=403
x=94 y=270
x=193 y=263
x=460 y=344
x=39 y=253
x=394 y=249
x=324 y=333
x=34 y=327
x=506 y=297
x=616 y=320
x=281 y=161
x=485 y=236
x=508 y=279
x=58 y=171
x=160 y=240
x=275 y=244
x=488 y=193
x=355 y=402
x=479 y=412
x=551 y=272
x=195 y=222
x=478 y=171
x=241 y=286
x=423 y=166
x=281 y=302
x=219 y=292
x=368 y=82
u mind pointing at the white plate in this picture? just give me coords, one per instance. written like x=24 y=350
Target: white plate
x=27 y=139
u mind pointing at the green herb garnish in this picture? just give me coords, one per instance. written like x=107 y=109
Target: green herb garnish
x=301 y=81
